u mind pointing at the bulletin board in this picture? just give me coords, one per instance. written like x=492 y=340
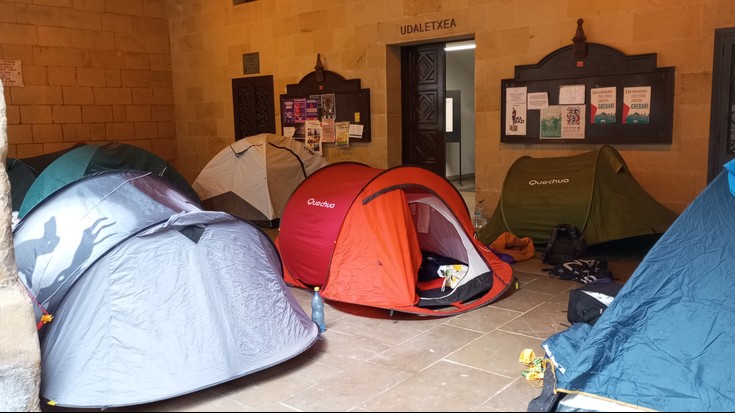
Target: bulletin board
x=348 y=103
x=639 y=95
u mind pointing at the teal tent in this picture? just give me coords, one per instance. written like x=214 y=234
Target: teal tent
x=92 y=158
x=23 y=172
x=594 y=191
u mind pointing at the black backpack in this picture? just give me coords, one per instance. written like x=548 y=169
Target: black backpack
x=566 y=244
x=587 y=303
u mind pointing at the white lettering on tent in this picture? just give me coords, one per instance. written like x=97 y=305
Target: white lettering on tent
x=533 y=182
x=323 y=204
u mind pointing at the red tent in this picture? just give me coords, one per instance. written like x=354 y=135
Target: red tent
x=362 y=234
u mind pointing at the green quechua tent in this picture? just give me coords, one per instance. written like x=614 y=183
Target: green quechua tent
x=89 y=159
x=593 y=191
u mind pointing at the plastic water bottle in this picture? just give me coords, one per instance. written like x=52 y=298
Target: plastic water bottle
x=317 y=310
x=480 y=219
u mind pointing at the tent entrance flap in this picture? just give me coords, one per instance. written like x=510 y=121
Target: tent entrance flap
x=440 y=232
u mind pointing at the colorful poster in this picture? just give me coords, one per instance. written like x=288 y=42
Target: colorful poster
x=312 y=109
x=299 y=110
x=550 y=122
x=636 y=105
x=288 y=112
x=602 y=105
x=342 y=134
x=572 y=122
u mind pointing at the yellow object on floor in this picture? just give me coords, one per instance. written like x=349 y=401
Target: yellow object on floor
x=535 y=367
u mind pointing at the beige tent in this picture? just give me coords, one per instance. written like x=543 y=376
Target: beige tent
x=254 y=177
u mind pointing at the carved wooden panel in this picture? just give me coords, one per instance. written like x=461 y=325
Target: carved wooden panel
x=252 y=102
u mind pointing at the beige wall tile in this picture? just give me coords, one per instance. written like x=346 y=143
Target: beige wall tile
x=36 y=114
x=36 y=15
x=67 y=114
x=47 y=133
x=75 y=132
x=62 y=76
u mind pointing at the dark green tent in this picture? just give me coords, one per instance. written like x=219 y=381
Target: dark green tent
x=21 y=177
x=23 y=172
x=594 y=191
x=92 y=158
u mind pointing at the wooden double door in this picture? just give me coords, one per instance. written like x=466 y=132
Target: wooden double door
x=722 y=112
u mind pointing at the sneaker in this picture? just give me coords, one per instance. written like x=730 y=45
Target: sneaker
x=577 y=269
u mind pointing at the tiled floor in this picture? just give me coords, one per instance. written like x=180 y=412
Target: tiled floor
x=368 y=360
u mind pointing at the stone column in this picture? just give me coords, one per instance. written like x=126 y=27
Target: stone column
x=20 y=355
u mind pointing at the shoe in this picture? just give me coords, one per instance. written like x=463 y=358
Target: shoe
x=577 y=269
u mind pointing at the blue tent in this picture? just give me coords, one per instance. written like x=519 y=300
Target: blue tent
x=663 y=343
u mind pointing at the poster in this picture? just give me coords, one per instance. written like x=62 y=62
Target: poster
x=288 y=112
x=299 y=110
x=572 y=122
x=313 y=136
x=329 y=107
x=312 y=109
x=328 y=130
x=515 y=110
x=550 y=122
x=515 y=95
x=342 y=134
x=11 y=73
x=355 y=131
x=515 y=120
x=602 y=105
x=538 y=100
x=636 y=105
x=571 y=95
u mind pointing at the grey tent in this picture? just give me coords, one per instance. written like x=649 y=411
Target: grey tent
x=151 y=296
x=595 y=191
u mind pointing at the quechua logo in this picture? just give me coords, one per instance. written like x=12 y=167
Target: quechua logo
x=554 y=181
x=323 y=204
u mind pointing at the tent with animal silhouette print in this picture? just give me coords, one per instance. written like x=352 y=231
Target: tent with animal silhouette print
x=151 y=296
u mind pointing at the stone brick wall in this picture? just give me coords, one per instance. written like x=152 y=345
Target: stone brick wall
x=362 y=39
x=93 y=70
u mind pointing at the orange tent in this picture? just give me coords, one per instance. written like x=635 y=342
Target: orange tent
x=360 y=234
